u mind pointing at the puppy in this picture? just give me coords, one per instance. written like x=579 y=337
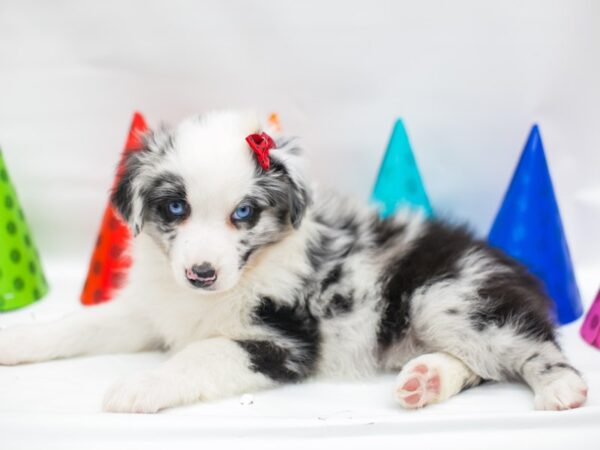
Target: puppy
x=253 y=281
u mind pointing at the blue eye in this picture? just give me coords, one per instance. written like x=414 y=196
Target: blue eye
x=243 y=212
x=176 y=208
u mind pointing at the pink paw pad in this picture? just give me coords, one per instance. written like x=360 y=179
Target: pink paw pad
x=420 y=386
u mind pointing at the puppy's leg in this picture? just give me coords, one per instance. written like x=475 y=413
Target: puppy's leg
x=106 y=328
x=555 y=383
x=499 y=344
x=432 y=378
x=203 y=370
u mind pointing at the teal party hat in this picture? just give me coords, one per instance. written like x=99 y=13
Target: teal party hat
x=399 y=182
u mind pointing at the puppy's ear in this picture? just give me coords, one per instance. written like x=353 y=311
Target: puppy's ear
x=125 y=197
x=288 y=160
x=299 y=200
x=128 y=195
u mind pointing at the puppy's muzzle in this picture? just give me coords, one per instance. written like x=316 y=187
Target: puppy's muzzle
x=201 y=275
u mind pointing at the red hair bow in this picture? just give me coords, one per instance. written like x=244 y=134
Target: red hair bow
x=260 y=145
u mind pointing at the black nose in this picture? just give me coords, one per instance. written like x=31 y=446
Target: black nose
x=204 y=270
x=201 y=275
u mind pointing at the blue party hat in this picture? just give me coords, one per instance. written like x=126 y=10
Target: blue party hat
x=399 y=183
x=529 y=228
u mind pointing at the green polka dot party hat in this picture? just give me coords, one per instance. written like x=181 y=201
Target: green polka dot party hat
x=22 y=280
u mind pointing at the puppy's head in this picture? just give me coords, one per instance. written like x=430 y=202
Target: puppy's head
x=200 y=193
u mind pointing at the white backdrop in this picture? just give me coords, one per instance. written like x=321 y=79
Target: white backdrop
x=468 y=77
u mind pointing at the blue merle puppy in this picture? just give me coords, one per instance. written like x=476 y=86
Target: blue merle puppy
x=251 y=280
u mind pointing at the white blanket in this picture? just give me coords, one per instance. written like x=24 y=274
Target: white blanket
x=56 y=405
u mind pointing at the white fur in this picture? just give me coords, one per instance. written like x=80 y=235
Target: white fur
x=203 y=370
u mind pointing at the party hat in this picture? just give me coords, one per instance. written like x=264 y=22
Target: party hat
x=110 y=259
x=22 y=280
x=590 y=330
x=399 y=182
x=529 y=228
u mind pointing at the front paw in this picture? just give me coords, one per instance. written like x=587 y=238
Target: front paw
x=18 y=346
x=147 y=392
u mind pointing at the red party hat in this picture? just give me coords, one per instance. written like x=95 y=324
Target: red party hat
x=110 y=260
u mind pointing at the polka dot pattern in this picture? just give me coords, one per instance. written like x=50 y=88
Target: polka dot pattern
x=15 y=255
x=18 y=283
x=11 y=227
x=21 y=278
x=109 y=263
